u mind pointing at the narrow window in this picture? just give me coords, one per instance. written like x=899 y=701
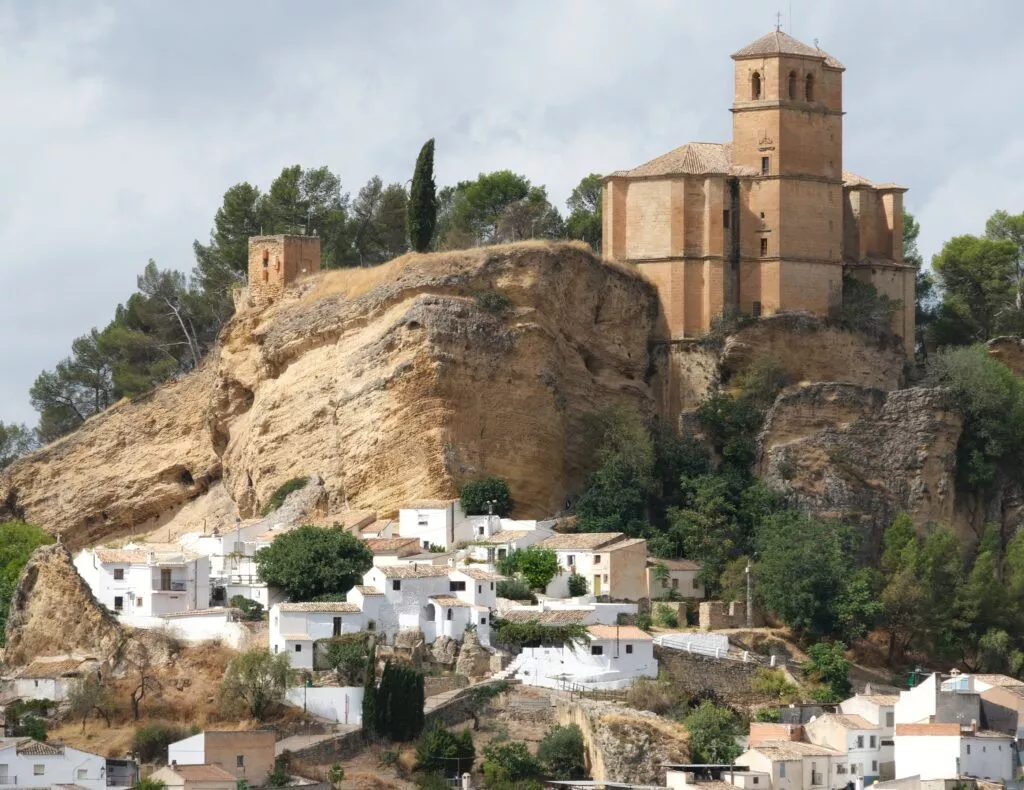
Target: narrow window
x=449 y=614
x=792 y=84
x=782 y=770
x=483 y=621
x=629 y=649
x=479 y=530
x=597 y=559
x=725 y=218
x=337 y=626
x=275 y=648
x=766 y=164
x=860 y=741
x=298 y=648
x=872 y=742
x=675 y=584
x=764 y=247
x=119 y=574
x=874 y=766
x=809 y=88
x=492 y=585
x=755 y=310
x=889 y=717
x=396 y=584
x=571 y=559
x=694 y=582
x=118 y=603
x=266 y=258
x=239 y=761
x=755 y=86
x=664 y=583
x=597 y=650
x=479 y=589
x=968 y=748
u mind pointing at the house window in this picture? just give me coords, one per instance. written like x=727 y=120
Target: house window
x=755 y=309
x=118 y=603
x=371 y=625
x=725 y=218
x=889 y=718
x=119 y=574
x=675 y=584
x=480 y=530
x=755 y=86
x=782 y=770
x=792 y=84
x=138 y=602
x=874 y=766
x=337 y=626
x=449 y=614
x=695 y=583
x=764 y=247
x=571 y=559
x=82 y=773
x=483 y=621
x=239 y=761
x=809 y=87
x=756 y=780
x=872 y=741
x=968 y=748
x=275 y=648
x=492 y=585
x=422 y=522
x=629 y=649
x=597 y=650
x=597 y=559
x=766 y=165
x=38 y=769
x=664 y=583
x=396 y=584
x=860 y=741
x=840 y=768
x=480 y=589
x=298 y=648
x=606 y=577
x=456 y=586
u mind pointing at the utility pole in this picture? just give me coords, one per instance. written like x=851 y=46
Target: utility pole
x=750 y=597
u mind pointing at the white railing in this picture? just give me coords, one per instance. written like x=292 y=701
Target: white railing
x=680 y=642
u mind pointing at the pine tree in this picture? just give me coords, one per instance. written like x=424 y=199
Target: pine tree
x=423 y=200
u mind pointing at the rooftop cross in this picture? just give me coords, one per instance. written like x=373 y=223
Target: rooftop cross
x=778 y=21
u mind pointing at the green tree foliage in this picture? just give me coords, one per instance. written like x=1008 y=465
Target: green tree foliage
x=89 y=696
x=444 y=752
x=864 y=309
x=532 y=633
x=479 y=495
x=255 y=681
x=665 y=616
x=17 y=542
x=577 y=585
x=281 y=493
x=369 y=709
x=347 y=655
x=772 y=684
x=713 y=732
x=515 y=590
x=509 y=761
x=422 y=218
x=584 y=204
x=310 y=562
x=826 y=664
x=562 y=754
x=250 y=609
x=378 y=222
x=151 y=740
x=398 y=703
x=149 y=783
x=536 y=565
x=16 y=440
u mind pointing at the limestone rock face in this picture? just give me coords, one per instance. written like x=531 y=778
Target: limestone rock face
x=857 y=453
x=393 y=383
x=53 y=612
x=443 y=650
x=474 y=661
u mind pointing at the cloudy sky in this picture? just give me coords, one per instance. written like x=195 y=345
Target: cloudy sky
x=124 y=122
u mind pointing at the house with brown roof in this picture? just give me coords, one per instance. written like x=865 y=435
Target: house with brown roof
x=608 y=657
x=47 y=677
x=194 y=777
x=676 y=579
x=794 y=765
x=612 y=563
x=879 y=710
x=438 y=523
x=388 y=551
x=295 y=627
x=858 y=739
x=25 y=762
x=245 y=754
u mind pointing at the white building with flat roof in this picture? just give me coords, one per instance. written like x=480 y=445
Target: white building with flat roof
x=610 y=657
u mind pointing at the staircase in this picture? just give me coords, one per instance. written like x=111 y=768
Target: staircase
x=510 y=670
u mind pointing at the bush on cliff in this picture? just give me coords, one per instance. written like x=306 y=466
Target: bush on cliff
x=278 y=497
x=17 y=542
x=477 y=497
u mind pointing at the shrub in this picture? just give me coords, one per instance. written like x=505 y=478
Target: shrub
x=398 y=703
x=644 y=621
x=255 y=682
x=17 y=542
x=666 y=616
x=509 y=762
x=279 y=776
x=561 y=753
x=532 y=633
x=772 y=683
x=515 y=590
x=577 y=585
x=151 y=740
x=446 y=753
x=713 y=732
x=538 y=566
x=657 y=696
x=475 y=495
x=278 y=497
x=388 y=757
x=347 y=656
x=251 y=610
x=864 y=309
x=769 y=715
x=494 y=302
x=827 y=664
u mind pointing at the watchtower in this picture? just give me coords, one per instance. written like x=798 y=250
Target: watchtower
x=275 y=262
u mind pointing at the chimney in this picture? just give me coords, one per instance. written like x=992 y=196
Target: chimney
x=974 y=725
x=466 y=784
x=152 y=556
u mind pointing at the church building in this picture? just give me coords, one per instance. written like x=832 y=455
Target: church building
x=770 y=221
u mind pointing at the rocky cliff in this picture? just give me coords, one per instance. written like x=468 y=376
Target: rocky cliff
x=393 y=383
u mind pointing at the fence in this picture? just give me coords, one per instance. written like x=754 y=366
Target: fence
x=697 y=647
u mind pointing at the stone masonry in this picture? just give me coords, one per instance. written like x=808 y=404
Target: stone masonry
x=275 y=262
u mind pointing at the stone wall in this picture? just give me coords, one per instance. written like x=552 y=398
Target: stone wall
x=692 y=673
x=716 y=615
x=275 y=262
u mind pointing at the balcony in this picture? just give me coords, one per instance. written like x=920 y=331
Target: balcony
x=170 y=587
x=8 y=781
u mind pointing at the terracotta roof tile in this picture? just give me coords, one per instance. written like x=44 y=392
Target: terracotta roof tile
x=927 y=729
x=629 y=632
x=392 y=545
x=1003 y=681
x=414 y=571
x=584 y=541
x=481 y=574
x=554 y=617
x=881 y=699
x=450 y=600
x=367 y=590
x=778 y=43
x=377 y=526
x=213 y=610
x=429 y=504
x=792 y=750
x=849 y=721
x=687 y=159
x=38 y=748
x=202 y=773
x=41 y=668
x=505 y=536
x=674 y=565
x=320 y=606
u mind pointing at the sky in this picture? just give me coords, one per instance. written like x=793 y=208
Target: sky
x=123 y=123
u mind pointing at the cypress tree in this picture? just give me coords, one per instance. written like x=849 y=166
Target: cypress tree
x=370 y=693
x=422 y=217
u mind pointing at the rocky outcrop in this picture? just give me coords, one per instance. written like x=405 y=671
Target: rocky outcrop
x=393 y=383
x=1009 y=351
x=53 y=612
x=474 y=660
x=625 y=745
x=864 y=455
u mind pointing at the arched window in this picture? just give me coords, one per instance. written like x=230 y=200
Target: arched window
x=809 y=87
x=792 y=84
x=755 y=86
x=449 y=614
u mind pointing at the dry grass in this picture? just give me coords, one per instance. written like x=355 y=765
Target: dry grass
x=672 y=730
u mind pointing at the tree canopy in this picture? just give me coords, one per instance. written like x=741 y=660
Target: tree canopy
x=313 y=562
x=17 y=542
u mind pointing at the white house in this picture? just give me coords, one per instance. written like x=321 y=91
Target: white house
x=879 y=709
x=495 y=547
x=435 y=523
x=558 y=611
x=854 y=737
x=794 y=765
x=612 y=564
x=245 y=754
x=48 y=678
x=389 y=551
x=679 y=578
x=141 y=583
x=947 y=751
x=381 y=528
x=25 y=762
x=612 y=657
x=294 y=627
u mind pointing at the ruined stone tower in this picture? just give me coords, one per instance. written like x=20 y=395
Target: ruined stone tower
x=275 y=262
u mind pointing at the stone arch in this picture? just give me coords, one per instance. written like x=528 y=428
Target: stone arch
x=755 y=85
x=809 y=87
x=428 y=612
x=449 y=614
x=792 y=85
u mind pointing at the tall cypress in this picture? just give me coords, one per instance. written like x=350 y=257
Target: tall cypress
x=370 y=693
x=422 y=217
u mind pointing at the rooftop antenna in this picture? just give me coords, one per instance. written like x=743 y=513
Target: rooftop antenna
x=778 y=21
x=816 y=44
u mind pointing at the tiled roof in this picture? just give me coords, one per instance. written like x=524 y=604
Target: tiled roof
x=213 y=610
x=413 y=571
x=927 y=729
x=505 y=536
x=674 y=565
x=450 y=600
x=852 y=181
x=377 y=526
x=849 y=721
x=38 y=748
x=367 y=590
x=581 y=540
x=688 y=159
x=1003 y=681
x=792 y=750
x=41 y=668
x=625 y=544
x=988 y=734
x=320 y=606
x=481 y=574
x=779 y=43
x=628 y=632
x=881 y=699
x=554 y=617
x=202 y=773
x=391 y=545
x=428 y=504
x=162 y=553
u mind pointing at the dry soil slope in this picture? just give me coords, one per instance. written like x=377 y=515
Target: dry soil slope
x=393 y=383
